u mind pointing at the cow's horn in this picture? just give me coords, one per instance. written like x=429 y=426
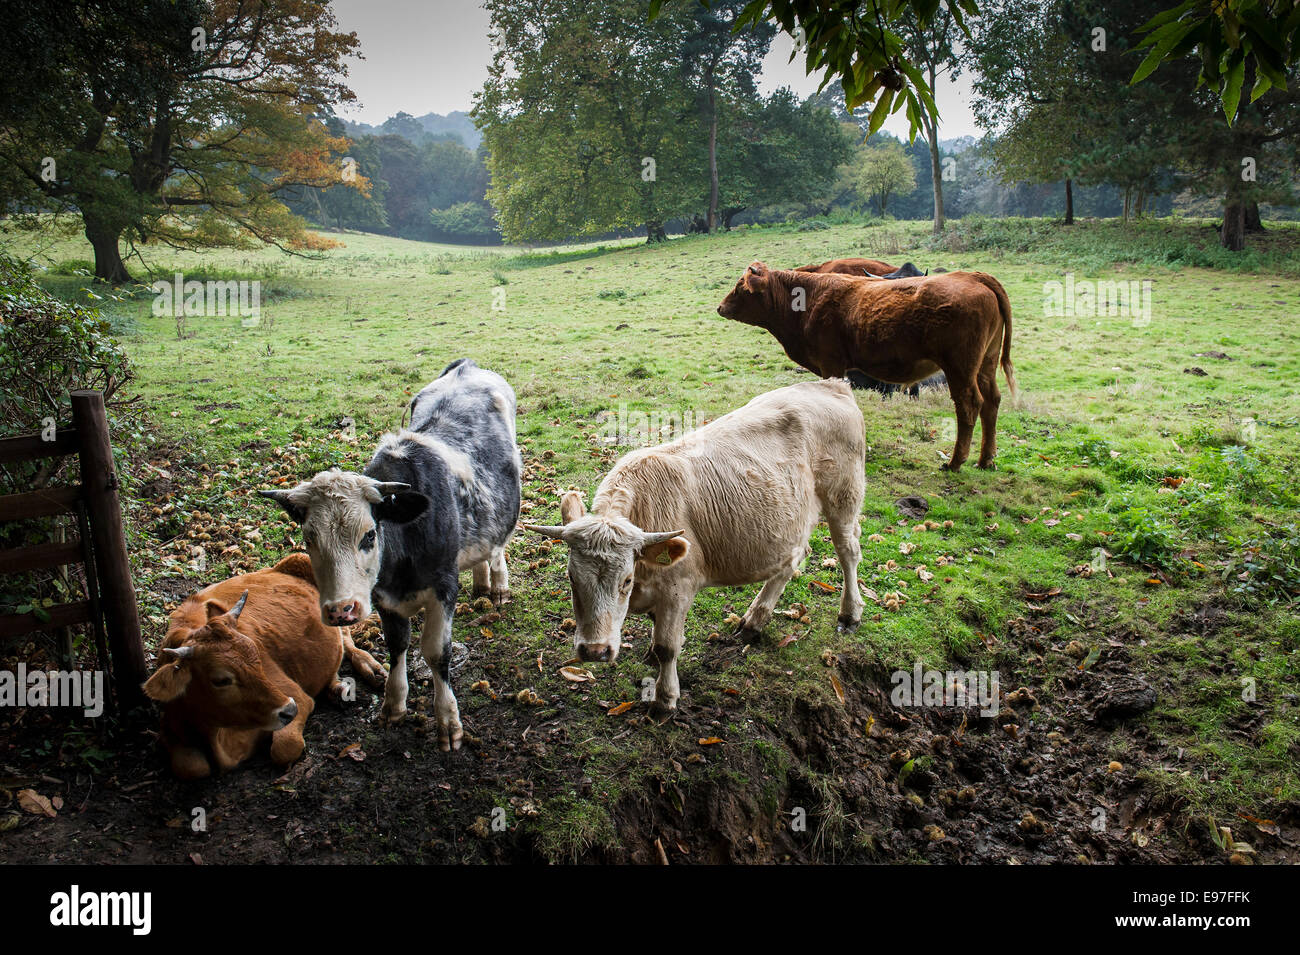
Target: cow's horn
x=391 y=487
x=179 y=653
x=657 y=537
x=239 y=606
x=554 y=531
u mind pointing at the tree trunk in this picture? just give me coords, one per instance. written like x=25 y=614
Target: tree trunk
x=1252 y=218
x=713 y=157
x=936 y=173
x=731 y=212
x=1233 y=234
x=1069 y=201
x=108 y=257
x=654 y=232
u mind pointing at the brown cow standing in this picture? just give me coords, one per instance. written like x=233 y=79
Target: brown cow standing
x=898 y=331
x=242 y=660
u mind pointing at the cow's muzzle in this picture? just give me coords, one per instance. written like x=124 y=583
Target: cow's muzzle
x=341 y=613
x=597 y=652
x=286 y=713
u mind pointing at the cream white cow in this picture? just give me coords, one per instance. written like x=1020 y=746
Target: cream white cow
x=731 y=503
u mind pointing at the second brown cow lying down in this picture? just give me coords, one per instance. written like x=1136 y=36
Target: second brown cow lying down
x=242 y=661
x=897 y=331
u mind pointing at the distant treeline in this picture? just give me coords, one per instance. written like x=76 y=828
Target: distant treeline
x=424 y=184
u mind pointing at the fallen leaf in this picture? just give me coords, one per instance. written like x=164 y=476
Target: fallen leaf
x=710 y=740
x=353 y=751
x=621 y=708
x=577 y=675
x=821 y=586
x=29 y=800
x=787 y=640
x=838 y=687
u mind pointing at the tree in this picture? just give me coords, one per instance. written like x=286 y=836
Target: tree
x=932 y=46
x=776 y=151
x=582 y=113
x=855 y=41
x=885 y=170
x=1065 y=107
x=721 y=60
x=177 y=121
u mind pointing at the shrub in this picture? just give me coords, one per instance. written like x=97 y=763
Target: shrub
x=47 y=348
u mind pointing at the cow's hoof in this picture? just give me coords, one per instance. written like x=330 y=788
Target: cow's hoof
x=392 y=715
x=450 y=737
x=499 y=597
x=949 y=466
x=662 y=712
x=368 y=668
x=748 y=634
x=847 y=625
x=987 y=466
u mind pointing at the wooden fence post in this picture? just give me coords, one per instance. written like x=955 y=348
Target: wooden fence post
x=104 y=514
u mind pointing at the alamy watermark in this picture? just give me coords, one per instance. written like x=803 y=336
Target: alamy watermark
x=176 y=297
x=75 y=688
x=1086 y=298
x=921 y=687
x=641 y=429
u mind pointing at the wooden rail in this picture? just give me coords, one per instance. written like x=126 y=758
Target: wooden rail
x=100 y=545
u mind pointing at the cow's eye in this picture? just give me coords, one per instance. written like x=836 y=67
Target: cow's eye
x=368 y=541
x=222 y=680
x=626 y=585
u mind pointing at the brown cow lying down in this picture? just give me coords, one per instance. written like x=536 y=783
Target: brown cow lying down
x=850 y=267
x=899 y=331
x=242 y=660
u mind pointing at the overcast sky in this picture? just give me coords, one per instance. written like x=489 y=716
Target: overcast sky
x=424 y=56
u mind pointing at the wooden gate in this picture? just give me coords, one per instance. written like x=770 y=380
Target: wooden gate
x=109 y=605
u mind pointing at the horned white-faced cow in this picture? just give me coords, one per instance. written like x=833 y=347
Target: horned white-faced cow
x=436 y=499
x=730 y=503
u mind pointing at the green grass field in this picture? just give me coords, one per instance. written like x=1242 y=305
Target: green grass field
x=1173 y=491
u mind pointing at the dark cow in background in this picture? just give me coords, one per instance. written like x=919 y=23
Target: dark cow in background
x=905 y=271
x=900 y=332
x=436 y=499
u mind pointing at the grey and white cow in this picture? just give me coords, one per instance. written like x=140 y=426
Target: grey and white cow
x=730 y=503
x=437 y=498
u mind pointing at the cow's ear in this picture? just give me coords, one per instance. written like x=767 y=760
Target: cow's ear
x=170 y=680
x=400 y=507
x=215 y=608
x=571 y=507
x=296 y=511
x=665 y=553
x=755 y=276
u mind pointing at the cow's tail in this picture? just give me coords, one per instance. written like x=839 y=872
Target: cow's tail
x=1004 y=306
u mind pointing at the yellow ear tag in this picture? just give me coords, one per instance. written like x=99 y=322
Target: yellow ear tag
x=663 y=557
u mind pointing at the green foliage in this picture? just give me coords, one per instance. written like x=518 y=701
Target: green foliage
x=47 y=348
x=465 y=221
x=884 y=171
x=1144 y=536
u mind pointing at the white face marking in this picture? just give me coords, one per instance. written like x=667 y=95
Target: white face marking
x=342 y=538
x=602 y=564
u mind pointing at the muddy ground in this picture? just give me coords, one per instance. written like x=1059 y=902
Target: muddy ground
x=860 y=782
